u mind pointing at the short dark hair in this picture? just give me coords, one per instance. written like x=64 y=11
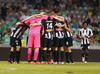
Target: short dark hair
x=85 y=22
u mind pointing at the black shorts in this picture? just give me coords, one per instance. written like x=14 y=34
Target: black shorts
x=69 y=42
x=85 y=46
x=15 y=42
x=58 y=42
x=46 y=42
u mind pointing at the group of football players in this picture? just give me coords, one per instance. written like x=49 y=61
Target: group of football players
x=49 y=33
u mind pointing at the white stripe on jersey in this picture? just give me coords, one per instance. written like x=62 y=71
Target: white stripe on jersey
x=19 y=34
x=84 y=40
x=56 y=34
x=11 y=34
x=12 y=31
x=82 y=33
x=17 y=31
x=60 y=34
x=88 y=41
x=81 y=41
x=68 y=34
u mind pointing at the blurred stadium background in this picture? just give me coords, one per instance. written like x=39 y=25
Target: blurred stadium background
x=74 y=11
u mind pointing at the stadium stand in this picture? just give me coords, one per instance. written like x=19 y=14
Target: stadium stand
x=79 y=10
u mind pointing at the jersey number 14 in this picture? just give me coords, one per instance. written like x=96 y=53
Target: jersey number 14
x=49 y=26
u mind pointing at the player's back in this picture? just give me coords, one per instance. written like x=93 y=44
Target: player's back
x=35 y=29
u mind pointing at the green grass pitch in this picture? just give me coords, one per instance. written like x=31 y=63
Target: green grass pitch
x=24 y=68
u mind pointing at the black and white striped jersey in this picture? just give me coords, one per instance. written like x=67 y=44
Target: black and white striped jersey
x=17 y=32
x=82 y=33
x=67 y=33
x=59 y=31
x=48 y=26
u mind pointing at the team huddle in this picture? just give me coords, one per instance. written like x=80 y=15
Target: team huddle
x=47 y=32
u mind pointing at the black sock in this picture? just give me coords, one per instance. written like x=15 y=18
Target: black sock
x=50 y=55
x=32 y=55
x=70 y=57
x=45 y=55
x=67 y=60
x=55 y=56
x=82 y=54
x=40 y=55
x=62 y=56
x=10 y=56
x=17 y=56
x=34 y=60
x=86 y=56
x=14 y=57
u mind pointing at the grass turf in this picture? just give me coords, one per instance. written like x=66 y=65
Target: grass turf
x=24 y=68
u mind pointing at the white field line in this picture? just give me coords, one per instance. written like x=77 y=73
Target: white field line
x=7 y=69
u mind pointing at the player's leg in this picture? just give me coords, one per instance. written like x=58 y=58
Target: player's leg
x=18 y=50
x=62 y=55
x=40 y=55
x=56 y=44
x=36 y=47
x=68 y=44
x=32 y=54
x=86 y=53
x=13 y=45
x=58 y=56
x=50 y=57
x=44 y=45
x=29 y=55
x=55 y=55
x=11 y=53
x=70 y=54
x=45 y=54
x=36 y=52
x=83 y=54
x=61 y=45
x=29 y=52
x=66 y=54
x=14 y=54
x=30 y=46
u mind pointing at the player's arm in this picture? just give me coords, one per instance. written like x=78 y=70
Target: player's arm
x=18 y=23
x=35 y=24
x=90 y=35
x=26 y=21
x=28 y=18
x=80 y=35
x=59 y=18
x=59 y=25
x=68 y=29
x=44 y=15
